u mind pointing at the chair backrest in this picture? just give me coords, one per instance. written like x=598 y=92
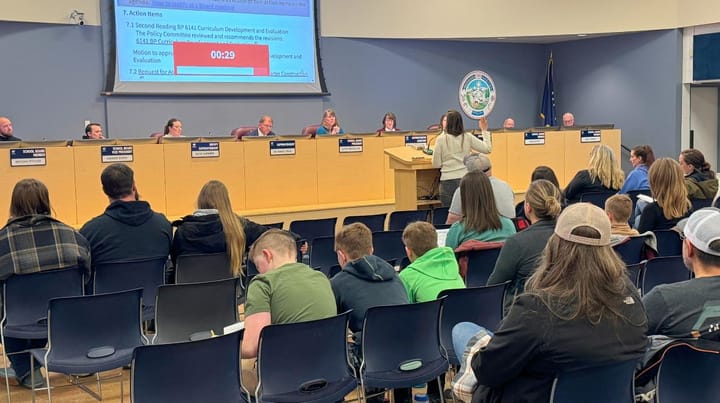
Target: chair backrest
x=156 y=134
x=196 y=268
x=631 y=250
x=375 y=222
x=634 y=272
x=440 y=215
x=633 y=195
x=200 y=371
x=147 y=274
x=26 y=297
x=278 y=225
x=79 y=324
x=183 y=310
x=305 y=361
x=687 y=374
x=481 y=305
x=668 y=243
x=663 y=270
x=388 y=246
x=322 y=254
x=240 y=132
x=394 y=335
x=596 y=198
x=434 y=127
x=480 y=265
x=311 y=229
x=697 y=204
x=310 y=130
x=607 y=383
x=400 y=219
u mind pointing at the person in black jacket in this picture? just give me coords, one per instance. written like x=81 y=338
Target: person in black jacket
x=214 y=227
x=579 y=310
x=128 y=229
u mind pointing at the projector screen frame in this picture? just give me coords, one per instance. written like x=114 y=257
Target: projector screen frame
x=112 y=66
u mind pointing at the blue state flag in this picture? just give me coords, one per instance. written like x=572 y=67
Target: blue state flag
x=547 y=110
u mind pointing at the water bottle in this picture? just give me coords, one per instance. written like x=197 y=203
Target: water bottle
x=420 y=390
x=421 y=398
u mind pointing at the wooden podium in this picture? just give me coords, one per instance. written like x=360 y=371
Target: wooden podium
x=416 y=181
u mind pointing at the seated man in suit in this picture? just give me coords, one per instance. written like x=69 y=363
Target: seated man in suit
x=285 y=291
x=128 y=229
x=264 y=127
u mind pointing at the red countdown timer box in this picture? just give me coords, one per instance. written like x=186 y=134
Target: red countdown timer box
x=191 y=58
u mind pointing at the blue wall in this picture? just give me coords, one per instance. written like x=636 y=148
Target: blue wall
x=632 y=80
x=52 y=76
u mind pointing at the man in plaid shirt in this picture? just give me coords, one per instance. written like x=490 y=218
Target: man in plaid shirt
x=33 y=241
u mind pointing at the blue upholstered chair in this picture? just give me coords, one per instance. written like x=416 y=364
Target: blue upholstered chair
x=198 y=371
x=376 y=222
x=608 y=383
x=305 y=362
x=91 y=334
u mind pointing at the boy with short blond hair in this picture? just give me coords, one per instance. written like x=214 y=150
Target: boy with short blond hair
x=619 y=208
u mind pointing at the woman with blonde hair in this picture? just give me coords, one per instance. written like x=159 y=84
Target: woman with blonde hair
x=451 y=147
x=603 y=175
x=520 y=255
x=579 y=311
x=671 y=204
x=481 y=220
x=329 y=124
x=214 y=227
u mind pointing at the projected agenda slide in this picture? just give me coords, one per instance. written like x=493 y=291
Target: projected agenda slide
x=215 y=41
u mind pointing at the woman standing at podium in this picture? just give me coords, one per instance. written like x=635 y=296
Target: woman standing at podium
x=451 y=147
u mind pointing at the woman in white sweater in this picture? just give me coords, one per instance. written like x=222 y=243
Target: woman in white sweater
x=451 y=147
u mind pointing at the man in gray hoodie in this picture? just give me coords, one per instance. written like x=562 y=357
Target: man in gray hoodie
x=365 y=280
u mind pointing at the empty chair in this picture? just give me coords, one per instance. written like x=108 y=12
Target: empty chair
x=375 y=222
x=196 y=268
x=322 y=254
x=596 y=198
x=631 y=250
x=608 y=383
x=199 y=371
x=668 y=243
x=440 y=215
x=189 y=311
x=400 y=219
x=480 y=305
x=147 y=274
x=306 y=361
x=401 y=345
x=388 y=245
x=663 y=270
x=91 y=334
x=242 y=131
x=310 y=130
x=687 y=374
x=479 y=266
x=311 y=229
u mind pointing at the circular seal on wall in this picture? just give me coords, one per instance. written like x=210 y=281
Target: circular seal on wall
x=477 y=94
